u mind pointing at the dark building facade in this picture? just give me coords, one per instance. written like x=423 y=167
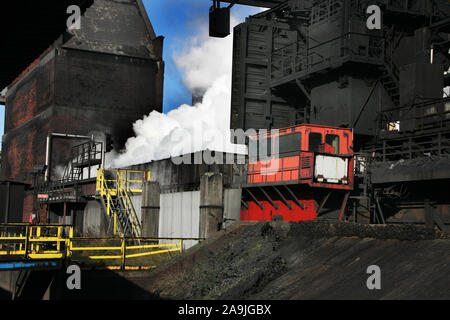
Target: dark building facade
x=98 y=79
x=315 y=61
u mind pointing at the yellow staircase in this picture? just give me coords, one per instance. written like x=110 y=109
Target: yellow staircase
x=115 y=188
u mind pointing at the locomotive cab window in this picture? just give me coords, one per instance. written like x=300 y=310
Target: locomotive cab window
x=333 y=140
x=260 y=149
x=265 y=154
x=290 y=144
x=315 y=140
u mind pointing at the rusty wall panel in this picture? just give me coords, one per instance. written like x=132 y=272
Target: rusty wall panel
x=22 y=150
x=32 y=93
x=91 y=93
x=27 y=206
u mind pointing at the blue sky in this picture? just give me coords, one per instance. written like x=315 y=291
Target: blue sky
x=2 y=121
x=176 y=20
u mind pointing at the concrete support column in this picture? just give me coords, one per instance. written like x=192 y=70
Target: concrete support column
x=150 y=209
x=211 y=203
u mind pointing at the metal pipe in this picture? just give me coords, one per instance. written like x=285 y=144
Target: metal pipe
x=75 y=136
x=47 y=157
x=103 y=154
x=365 y=103
x=294 y=197
x=432 y=54
x=282 y=198
x=269 y=198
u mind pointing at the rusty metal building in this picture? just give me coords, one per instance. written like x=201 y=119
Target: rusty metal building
x=100 y=78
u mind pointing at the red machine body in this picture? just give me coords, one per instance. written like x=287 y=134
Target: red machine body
x=302 y=161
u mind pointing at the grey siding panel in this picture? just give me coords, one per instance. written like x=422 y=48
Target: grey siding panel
x=180 y=216
x=137 y=204
x=93 y=219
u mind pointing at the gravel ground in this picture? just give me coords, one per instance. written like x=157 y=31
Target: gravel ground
x=309 y=260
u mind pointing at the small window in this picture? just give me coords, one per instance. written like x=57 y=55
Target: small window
x=315 y=140
x=333 y=140
x=290 y=144
x=261 y=149
x=253 y=150
x=269 y=149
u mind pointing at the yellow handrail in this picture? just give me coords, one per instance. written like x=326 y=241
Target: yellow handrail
x=120 y=187
x=58 y=242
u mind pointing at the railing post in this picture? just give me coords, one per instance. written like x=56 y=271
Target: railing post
x=124 y=249
x=38 y=235
x=115 y=223
x=27 y=234
x=69 y=244
x=58 y=244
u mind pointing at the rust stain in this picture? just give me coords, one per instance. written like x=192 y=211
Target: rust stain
x=24 y=106
x=29 y=154
x=12 y=154
x=27 y=207
x=21 y=158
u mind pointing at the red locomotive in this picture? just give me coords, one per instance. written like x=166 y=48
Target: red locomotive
x=291 y=169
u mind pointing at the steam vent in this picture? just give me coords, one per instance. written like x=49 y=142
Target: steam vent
x=101 y=78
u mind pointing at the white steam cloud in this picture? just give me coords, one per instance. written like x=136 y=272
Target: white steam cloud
x=206 y=64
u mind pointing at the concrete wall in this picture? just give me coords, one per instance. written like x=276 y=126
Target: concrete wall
x=232 y=206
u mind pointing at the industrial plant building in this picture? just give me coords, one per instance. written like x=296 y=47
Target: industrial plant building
x=357 y=122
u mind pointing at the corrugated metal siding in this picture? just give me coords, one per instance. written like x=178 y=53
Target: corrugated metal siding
x=92 y=221
x=256 y=42
x=137 y=204
x=180 y=216
x=253 y=104
x=256 y=79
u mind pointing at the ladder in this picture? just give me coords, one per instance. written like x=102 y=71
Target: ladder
x=390 y=73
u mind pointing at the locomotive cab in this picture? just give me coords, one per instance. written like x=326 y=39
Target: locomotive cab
x=291 y=170
x=316 y=155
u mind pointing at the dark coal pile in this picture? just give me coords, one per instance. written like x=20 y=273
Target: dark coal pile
x=279 y=260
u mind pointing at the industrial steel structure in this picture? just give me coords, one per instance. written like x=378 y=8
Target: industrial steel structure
x=317 y=62
x=357 y=120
